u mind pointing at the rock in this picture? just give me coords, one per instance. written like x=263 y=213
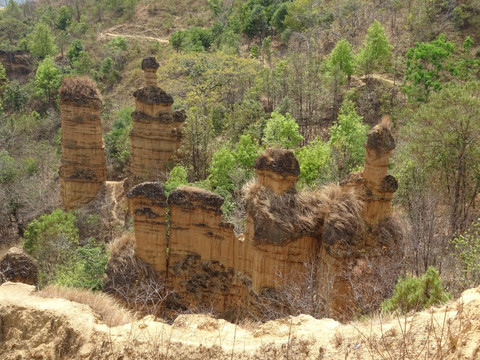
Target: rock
x=83 y=170
x=17 y=266
x=156 y=133
x=18 y=64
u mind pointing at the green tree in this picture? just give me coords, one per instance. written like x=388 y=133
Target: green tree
x=282 y=131
x=376 y=52
x=315 y=162
x=342 y=59
x=76 y=47
x=427 y=65
x=256 y=22
x=41 y=42
x=47 y=79
x=64 y=18
x=176 y=39
x=444 y=137
x=347 y=139
x=12 y=10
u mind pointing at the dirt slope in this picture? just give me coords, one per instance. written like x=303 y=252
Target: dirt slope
x=34 y=327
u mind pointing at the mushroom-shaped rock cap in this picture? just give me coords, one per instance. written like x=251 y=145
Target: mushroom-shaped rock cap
x=191 y=197
x=150 y=63
x=153 y=95
x=79 y=90
x=280 y=161
x=149 y=190
x=380 y=139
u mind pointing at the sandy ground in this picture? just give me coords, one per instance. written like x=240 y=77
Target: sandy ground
x=34 y=327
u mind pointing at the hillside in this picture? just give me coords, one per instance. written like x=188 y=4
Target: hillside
x=266 y=162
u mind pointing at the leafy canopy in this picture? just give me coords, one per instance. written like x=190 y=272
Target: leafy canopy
x=376 y=52
x=282 y=131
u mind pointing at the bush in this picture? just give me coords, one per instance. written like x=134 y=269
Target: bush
x=282 y=131
x=117 y=140
x=412 y=293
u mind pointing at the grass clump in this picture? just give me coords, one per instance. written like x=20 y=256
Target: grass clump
x=109 y=310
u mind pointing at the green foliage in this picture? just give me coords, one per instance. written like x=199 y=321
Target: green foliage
x=376 y=52
x=8 y=169
x=15 y=97
x=342 y=59
x=117 y=44
x=73 y=53
x=64 y=18
x=467 y=250
x=304 y=14
x=427 y=65
x=195 y=39
x=279 y=17
x=47 y=79
x=282 y=131
x=176 y=39
x=41 y=42
x=117 y=140
x=347 y=139
x=230 y=168
x=176 y=178
x=12 y=10
x=417 y=293
x=315 y=162
x=46 y=228
x=256 y=21
x=85 y=268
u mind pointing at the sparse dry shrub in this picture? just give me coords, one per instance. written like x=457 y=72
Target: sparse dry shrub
x=304 y=213
x=133 y=281
x=78 y=89
x=109 y=310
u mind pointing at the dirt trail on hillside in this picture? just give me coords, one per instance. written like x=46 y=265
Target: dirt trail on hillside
x=34 y=327
x=115 y=202
x=130 y=32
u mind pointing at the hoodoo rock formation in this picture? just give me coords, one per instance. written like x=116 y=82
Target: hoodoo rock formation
x=83 y=166
x=334 y=235
x=156 y=133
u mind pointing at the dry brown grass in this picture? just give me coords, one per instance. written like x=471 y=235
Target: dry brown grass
x=109 y=310
x=78 y=87
x=306 y=212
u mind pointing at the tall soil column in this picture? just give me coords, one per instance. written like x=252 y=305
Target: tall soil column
x=279 y=255
x=148 y=204
x=83 y=167
x=156 y=133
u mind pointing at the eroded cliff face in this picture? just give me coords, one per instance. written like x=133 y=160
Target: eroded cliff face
x=149 y=204
x=83 y=166
x=18 y=64
x=156 y=133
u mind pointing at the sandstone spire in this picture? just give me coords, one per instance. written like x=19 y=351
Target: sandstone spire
x=83 y=169
x=156 y=132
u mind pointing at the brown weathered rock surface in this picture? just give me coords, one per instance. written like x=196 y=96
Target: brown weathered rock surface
x=156 y=133
x=83 y=170
x=148 y=203
x=18 y=64
x=17 y=266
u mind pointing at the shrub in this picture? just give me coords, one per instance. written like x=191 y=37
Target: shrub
x=412 y=293
x=282 y=131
